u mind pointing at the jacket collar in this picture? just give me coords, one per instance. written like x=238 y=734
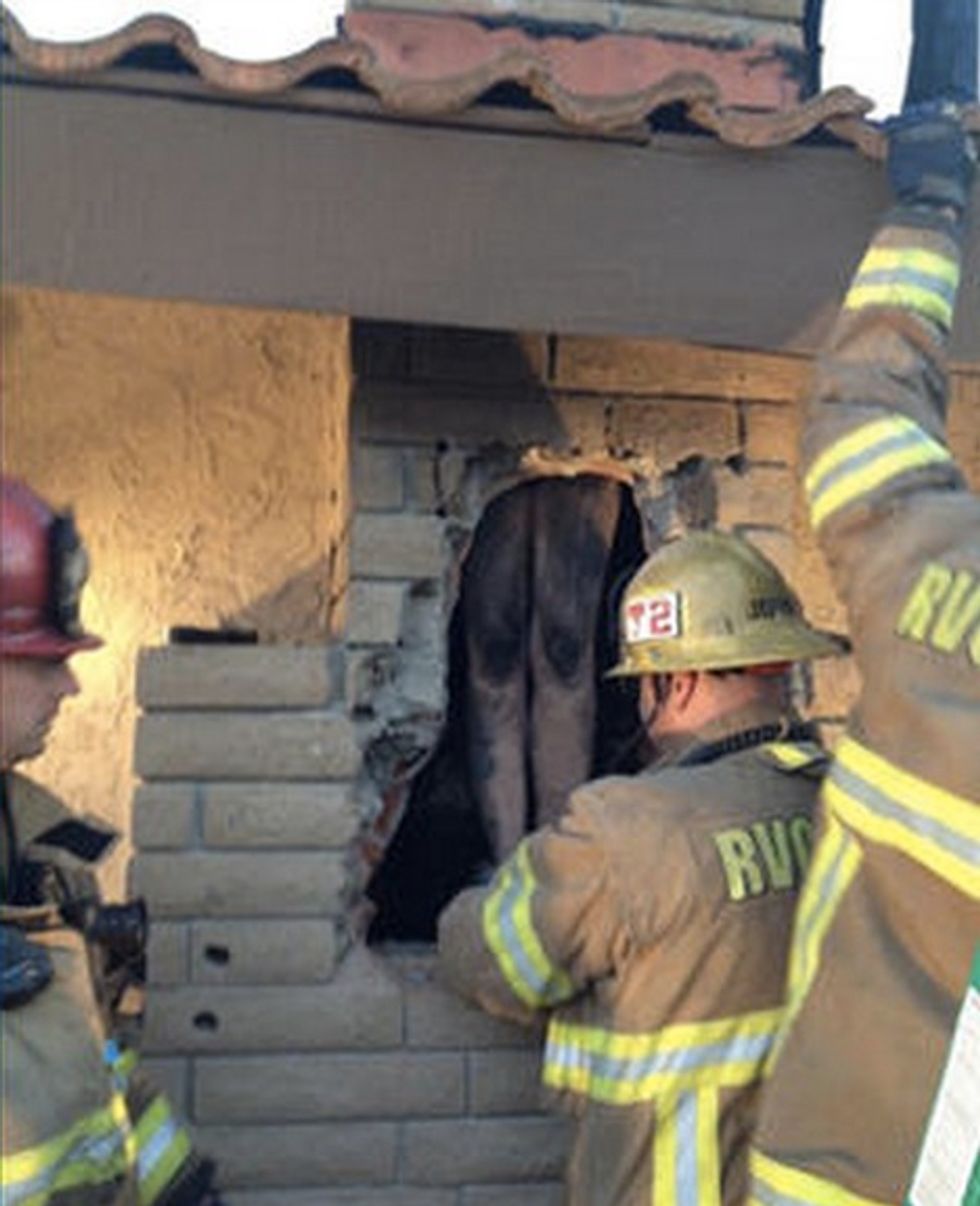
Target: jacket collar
x=680 y=748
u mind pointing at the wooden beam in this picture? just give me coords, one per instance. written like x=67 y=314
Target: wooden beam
x=178 y=197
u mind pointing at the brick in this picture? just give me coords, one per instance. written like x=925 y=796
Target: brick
x=836 y=685
x=235 y=676
x=437 y=1018
x=378 y=478
x=360 y=1009
x=200 y=884
x=375 y=612
x=760 y=495
x=771 y=433
x=677 y=370
x=468 y=355
x=470 y=416
x=338 y=1153
x=301 y=951
x=172 y=1078
x=550 y=1193
x=964 y=426
x=271 y=745
x=456 y=1151
x=270 y=815
x=435 y=479
x=397 y=546
x=671 y=431
x=164 y=815
x=389 y=1195
x=168 y=953
x=303 y=1088
x=504 y=1082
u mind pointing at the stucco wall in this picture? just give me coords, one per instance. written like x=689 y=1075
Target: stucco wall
x=204 y=452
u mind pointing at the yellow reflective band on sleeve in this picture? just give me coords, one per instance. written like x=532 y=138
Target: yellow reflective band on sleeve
x=624 y=1069
x=95 y=1151
x=865 y=460
x=508 y=929
x=162 y=1148
x=775 y=1184
x=913 y=279
x=888 y=805
x=836 y=860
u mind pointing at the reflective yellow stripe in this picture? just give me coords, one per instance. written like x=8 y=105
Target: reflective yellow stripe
x=665 y=1154
x=775 y=1184
x=508 y=929
x=94 y=1151
x=835 y=863
x=866 y=459
x=709 y=1164
x=913 y=279
x=889 y=805
x=163 y=1146
x=623 y=1069
x=794 y=755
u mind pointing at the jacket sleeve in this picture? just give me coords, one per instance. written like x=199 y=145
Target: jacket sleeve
x=874 y=448
x=543 y=929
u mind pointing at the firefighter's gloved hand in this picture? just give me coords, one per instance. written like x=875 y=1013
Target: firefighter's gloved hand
x=931 y=157
x=25 y=968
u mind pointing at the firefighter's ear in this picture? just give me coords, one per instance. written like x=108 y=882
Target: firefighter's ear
x=682 y=689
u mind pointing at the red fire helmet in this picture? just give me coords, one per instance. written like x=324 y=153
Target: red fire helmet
x=43 y=567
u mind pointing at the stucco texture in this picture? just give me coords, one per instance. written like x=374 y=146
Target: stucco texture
x=204 y=450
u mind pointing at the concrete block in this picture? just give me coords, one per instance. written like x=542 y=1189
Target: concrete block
x=388 y=1195
x=272 y=745
x=671 y=430
x=235 y=676
x=375 y=612
x=548 y=1193
x=435 y=479
x=470 y=416
x=270 y=815
x=164 y=815
x=462 y=1150
x=675 y=370
x=200 y=884
x=435 y=1017
x=397 y=546
x=304 y=951
x=378 y=478
x=757 y=496
x=172 y=1078
x=303 y=1088
x=338 y=1153
x=504 y=1082
x=771 y=433
x=360 y=1009
x=168 y=953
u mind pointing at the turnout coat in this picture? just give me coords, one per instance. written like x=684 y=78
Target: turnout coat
x=890 y=918
x=650 y=924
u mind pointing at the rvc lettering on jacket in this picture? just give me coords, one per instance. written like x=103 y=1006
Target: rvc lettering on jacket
x=767 y=856
x=943 y=611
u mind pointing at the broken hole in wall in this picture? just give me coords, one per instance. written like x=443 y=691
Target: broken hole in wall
x=530 y=712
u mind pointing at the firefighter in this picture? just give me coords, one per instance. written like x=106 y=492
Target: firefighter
x=80 y=1123
x=650 y=922
x=890 y=917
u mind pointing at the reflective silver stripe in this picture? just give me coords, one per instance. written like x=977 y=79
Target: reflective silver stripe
x=888 y=806
x=927 y=281
x=98 y=1150
x=688 y=1190
x=900 y=441
x=744 y=1049
x=154 y=1149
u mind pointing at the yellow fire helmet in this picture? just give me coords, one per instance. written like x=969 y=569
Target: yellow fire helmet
x=710 y=601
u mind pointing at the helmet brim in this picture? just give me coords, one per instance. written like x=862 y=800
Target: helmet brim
x=797 y=644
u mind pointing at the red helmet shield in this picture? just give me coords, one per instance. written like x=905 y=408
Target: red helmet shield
x=42 y=571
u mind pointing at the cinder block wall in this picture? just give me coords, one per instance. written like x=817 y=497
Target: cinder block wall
x=319 y=1072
